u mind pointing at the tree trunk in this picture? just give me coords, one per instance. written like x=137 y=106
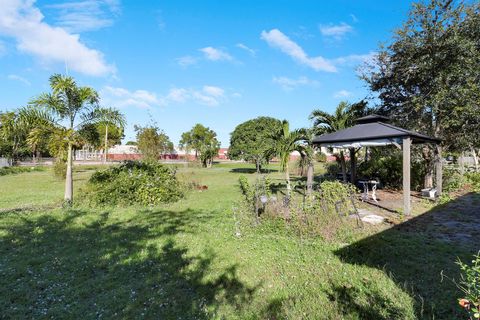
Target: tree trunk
x=257 y=164
x=34 y=158
x=353 y=166
x=344 y=166
x=287 y=177
x=106 y=145
x=69 y=177
x=310 y=178
x=475 y=158
x=429 y=166
x=461 y=164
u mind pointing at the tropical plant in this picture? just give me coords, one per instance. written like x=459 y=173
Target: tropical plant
x=12 y=135
x=286 y=142
x=203 y=141
x=324 y=122
x=113 y=119
x=67 y=103
x=252 y=140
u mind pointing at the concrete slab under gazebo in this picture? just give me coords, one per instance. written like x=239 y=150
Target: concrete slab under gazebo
x=374 y=131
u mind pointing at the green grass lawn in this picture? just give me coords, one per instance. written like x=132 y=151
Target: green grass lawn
x=183 y=261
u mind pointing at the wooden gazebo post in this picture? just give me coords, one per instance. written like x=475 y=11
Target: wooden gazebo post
x=407 y=141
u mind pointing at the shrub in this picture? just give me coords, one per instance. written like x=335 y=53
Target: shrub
x=453 y=180
x=133 y=182
x=470 y=286
x=386 y=165
x=14 y=170
x=474 y=179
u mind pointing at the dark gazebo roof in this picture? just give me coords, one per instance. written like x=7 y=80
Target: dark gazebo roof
x=372 y=128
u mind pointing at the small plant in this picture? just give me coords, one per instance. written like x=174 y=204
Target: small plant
x=470 y=286
x=245 y=188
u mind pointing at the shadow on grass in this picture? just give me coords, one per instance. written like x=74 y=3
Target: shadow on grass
x=81 y=265
x=416 y=253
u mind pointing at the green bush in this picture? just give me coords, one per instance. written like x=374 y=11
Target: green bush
x=14 y=170
x=386 y=165
x=474 y=179
x=133 y=182
x=452 y=180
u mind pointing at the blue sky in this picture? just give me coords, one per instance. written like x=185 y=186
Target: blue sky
x=178 y=63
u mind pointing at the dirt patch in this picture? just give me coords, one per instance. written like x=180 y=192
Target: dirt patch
x=457 y=221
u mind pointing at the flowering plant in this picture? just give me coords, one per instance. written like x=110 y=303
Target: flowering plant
x=470 y=285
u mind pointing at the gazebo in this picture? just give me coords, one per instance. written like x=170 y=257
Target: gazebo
x=374 y=131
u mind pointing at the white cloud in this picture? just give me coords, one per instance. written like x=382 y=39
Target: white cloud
x=85 y=15
x=342 y=94
x=209 y=95
x=244 y=47
x=213 y=91
x=23 y=21
x=186 y=61
x=19 y=78
x=275 y=38
x=355 y=59
x=336 y=31
x=354 y=18
x=215 y=54
x=120 y=97
x=178 y=95
x=290 y=84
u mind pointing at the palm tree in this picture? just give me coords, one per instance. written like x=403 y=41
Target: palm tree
x=286 y=142
x=324 y=122
x=71 y=104
x=109 y=117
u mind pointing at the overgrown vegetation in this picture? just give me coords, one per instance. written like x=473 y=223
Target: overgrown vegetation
x=326 y=212
x=470 y=286
x=14 y=170
x=133 y=182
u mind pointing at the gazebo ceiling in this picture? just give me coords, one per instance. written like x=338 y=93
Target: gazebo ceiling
x=370 y=131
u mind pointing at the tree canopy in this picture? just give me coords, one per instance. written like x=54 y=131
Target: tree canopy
x=428 y=77
x=203 y=141
x=253 y=140
x=152 y=142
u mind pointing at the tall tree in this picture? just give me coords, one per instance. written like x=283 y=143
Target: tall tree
x=152 y=142
x=67 y=103
x=428 y=77
x=253 y=140
x=203 y=141
x=324 y=122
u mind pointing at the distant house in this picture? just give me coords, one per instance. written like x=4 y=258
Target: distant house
x=129 y=152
